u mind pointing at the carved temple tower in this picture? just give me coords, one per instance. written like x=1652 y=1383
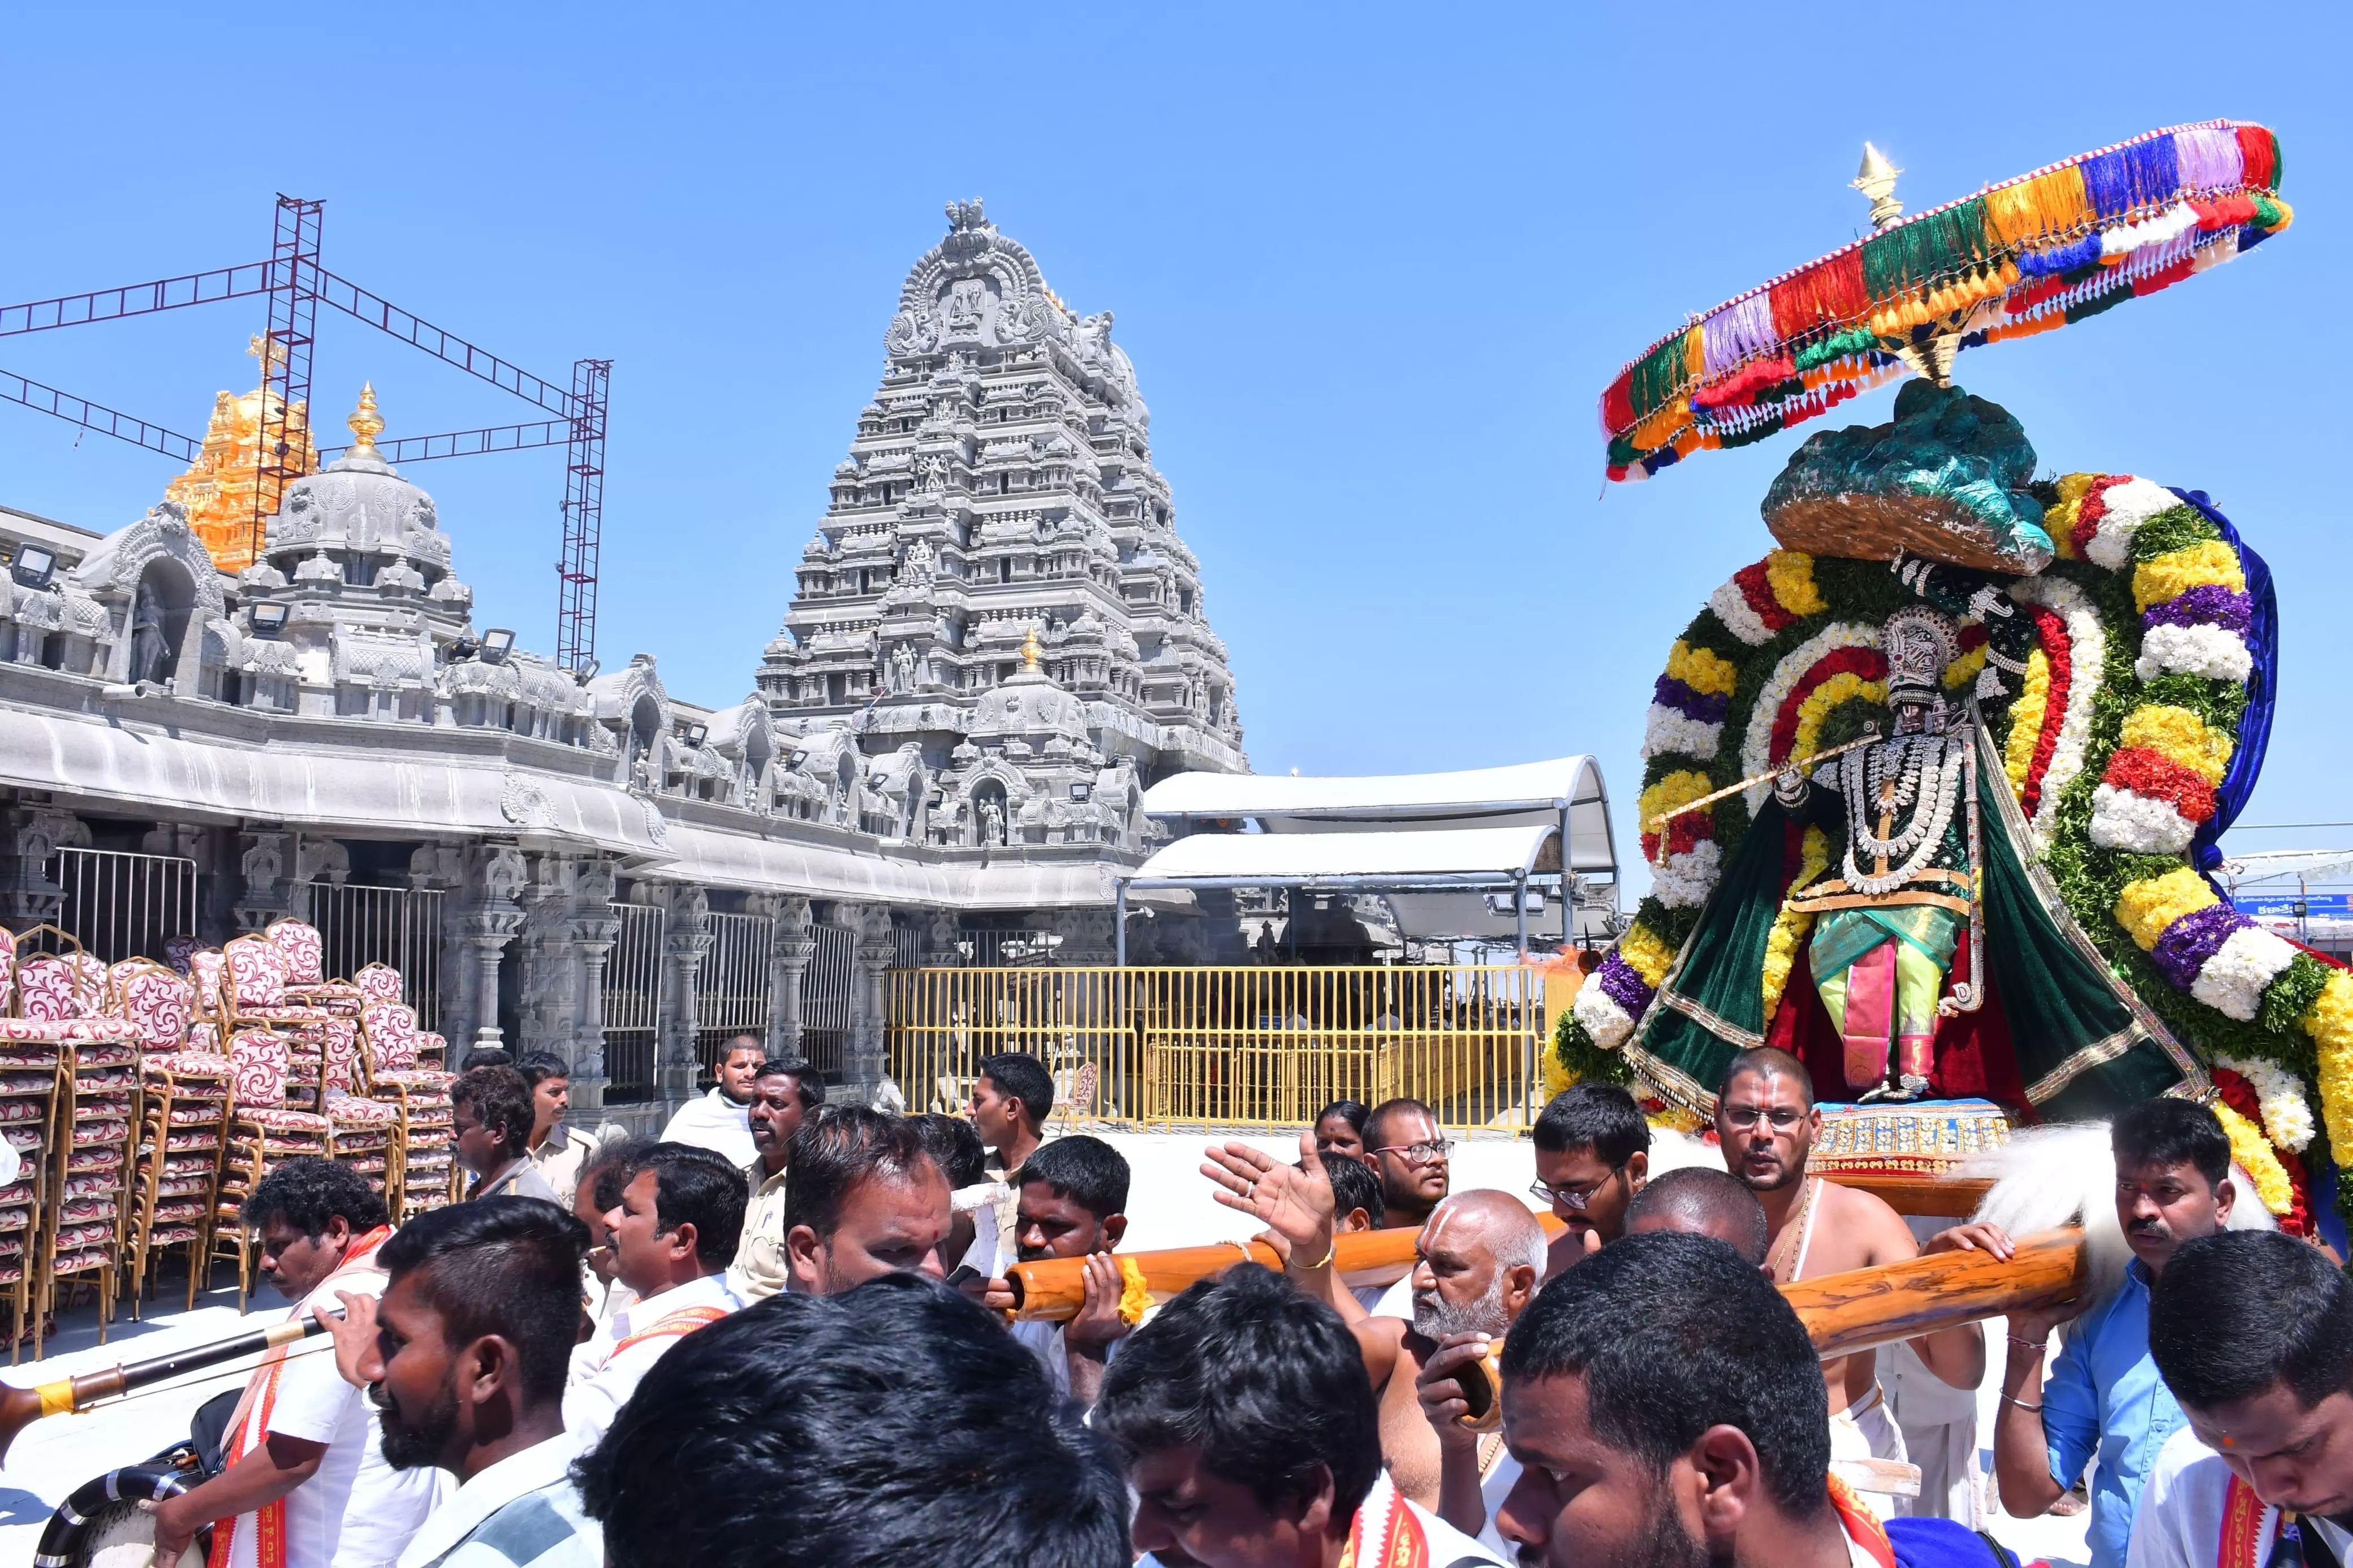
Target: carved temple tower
x=996 y=626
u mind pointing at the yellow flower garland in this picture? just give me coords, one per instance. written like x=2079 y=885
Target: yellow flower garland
x=1678 y=788
x=2146 y=908
x=1966 y=669
x=2253 y=1150
x=2180 y=736
x=1710 y=674
x=2026 y=716
x=2163 y=577
x=1791 y=574
x=1650 y=957
x=2060 y=521
x=1792 y=927
x=2329 y=1021
x=1843 y=687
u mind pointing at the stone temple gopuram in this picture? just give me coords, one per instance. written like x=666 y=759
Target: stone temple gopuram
x=997 y=643
x=997 y=606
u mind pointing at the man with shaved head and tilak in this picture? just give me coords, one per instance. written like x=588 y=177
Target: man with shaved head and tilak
x=1767 y=1120
x=1477 y=1260
x=1696 y=1200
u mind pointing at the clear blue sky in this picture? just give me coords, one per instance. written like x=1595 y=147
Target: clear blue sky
x=1373 y=264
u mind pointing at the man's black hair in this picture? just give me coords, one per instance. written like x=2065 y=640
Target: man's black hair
x=694 y=1186
x=954 y=1146
x=1087 y=1171
x=1025 y=1077
x=538 y=1067
x=1353 y=1186
x=1770 y=1061
x=808 y=1082
x=501 y=1102
x=503 y=1266
x=1375 y=1130
x=748 y=1041
x=1268 y=1383
x=306 y=1193
x=904 y=1425
x=1674 y=1334
x=608 y=1170
x=1698 y=1195
x=485 y=1057
x=2169 y=1131
x=1601 y=1117
x=2239 y=1311
x=1352 y=1112
x=839 y=1147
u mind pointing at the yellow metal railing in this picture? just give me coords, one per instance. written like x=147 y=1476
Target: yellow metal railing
x=1245 y=1046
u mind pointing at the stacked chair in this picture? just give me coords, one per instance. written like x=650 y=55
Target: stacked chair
x=79 y=1164
x=399 y=1074
x=184 y=1092
x=255 y=996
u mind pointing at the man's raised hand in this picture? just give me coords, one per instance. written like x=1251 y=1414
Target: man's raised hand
x=1294 y=1201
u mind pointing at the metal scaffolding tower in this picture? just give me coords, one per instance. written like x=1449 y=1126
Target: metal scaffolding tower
x=296 y=284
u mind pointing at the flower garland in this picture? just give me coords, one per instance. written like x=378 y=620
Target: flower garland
x=2253 y=1154
x=1847 y=648
x=2053 y=247
x=1792 y=926
x=2046 y=754
x=2287 y=1115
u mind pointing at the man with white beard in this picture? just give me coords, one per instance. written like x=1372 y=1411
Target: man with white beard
x=1478 y=1261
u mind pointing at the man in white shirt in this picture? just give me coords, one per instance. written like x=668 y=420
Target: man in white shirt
x=1251 y=1436
x=556 y=1150
x=2252 y=1331
x=782 y=1096
x=721 y=1120
x=1072 y=1204
x=464 y=1359
x=672 y=1233
x=307 y=1485
x=894 y=1425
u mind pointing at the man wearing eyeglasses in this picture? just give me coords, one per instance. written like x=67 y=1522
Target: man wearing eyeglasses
x=1593 y=1154
x=1767 y=1120
x=1408 y=1154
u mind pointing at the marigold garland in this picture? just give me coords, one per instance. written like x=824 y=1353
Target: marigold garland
x=1791 y=926
x=2253 y=1152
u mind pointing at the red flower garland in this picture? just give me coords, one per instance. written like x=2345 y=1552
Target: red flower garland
x=2088 y=513
x=2059 y=653
x=2156 y=776
x=1865 y=663
x=1757 y=589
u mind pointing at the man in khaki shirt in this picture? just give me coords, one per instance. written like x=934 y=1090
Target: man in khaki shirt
x=782 y=1095
x=556 y=1150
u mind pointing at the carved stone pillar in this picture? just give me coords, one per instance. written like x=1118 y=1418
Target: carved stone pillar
x=495 y=874
x=862 y=1065
x=685 y=943
x=594 y=932
x=1087 y=938
x=547 y=989
x=32 y=834
x=789 y=951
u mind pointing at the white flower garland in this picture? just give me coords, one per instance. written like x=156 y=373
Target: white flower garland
x=2287 y=1115
x=1758 y=743
x=1683 y=881
x=2087 y=652
x=1731 y=606
x=1603 y=1019
x=2127 y=506
x=1671 y=730
x=2232 y=981
x=2121 y=819
x=2217 y=653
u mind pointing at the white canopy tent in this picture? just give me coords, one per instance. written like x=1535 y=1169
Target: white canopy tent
x=1439 y=847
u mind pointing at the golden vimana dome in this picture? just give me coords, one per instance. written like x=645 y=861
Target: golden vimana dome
x=220 y=486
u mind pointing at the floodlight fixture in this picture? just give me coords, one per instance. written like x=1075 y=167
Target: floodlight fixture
x=34 y=566
x=497 y=642
x=268 y=619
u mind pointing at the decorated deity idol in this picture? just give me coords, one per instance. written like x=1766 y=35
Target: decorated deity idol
x=1886 y=925
x=1932 y=792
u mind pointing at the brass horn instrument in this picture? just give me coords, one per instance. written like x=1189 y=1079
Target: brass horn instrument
x=20 y=1406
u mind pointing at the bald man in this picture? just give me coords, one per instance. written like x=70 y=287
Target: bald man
x=1698 y=1201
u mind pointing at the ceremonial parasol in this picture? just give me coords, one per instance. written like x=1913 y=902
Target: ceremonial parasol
x=2037 y=252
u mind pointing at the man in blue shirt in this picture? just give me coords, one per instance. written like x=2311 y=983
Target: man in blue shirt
x=2104 y=1393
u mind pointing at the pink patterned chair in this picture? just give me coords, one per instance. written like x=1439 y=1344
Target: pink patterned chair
x=420 y=1093
x=183 y=1113
x=208 y=968
x=378 y=983
x=256 y=995
x=303 y=952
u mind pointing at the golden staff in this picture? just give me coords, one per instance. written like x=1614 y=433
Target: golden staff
x=1765 y=777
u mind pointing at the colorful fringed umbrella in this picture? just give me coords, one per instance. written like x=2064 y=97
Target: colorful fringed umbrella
x=2037 y=252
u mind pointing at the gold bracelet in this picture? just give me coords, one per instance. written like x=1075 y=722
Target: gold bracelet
x=1330 y=1253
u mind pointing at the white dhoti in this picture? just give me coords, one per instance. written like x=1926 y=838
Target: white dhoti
x=1939 y=1424
x=1867 y=1454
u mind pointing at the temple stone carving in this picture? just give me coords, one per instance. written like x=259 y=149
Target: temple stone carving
x=997 y=601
